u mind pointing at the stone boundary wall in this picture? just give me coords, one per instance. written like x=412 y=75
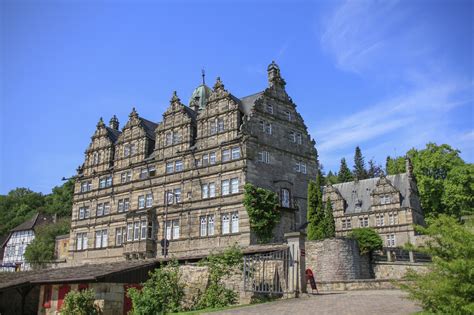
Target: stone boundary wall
x=396 y=270
x=336 y=259
x=362 y=284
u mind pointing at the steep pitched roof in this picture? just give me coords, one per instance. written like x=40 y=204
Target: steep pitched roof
x=112 y=134
x=248 y=102
x=358 y=192
x=36 y=220
x=149 y=127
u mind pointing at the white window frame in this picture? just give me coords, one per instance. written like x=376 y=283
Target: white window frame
x=264 y=157
x=269 y=108
x=212 y=158
x=234 y=222
x=234 y=186
x=178 y=165
x=285 y=198
x=143 y=229
x=169 y=167
x=203 y=226
x=235 y=153
x=149 y=200
x=141 y=202
x=225 y=223
x=225 y=187
x=226 y=155
x=129 y=232
x=136 y=231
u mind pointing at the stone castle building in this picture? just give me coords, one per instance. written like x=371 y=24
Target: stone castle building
x=389 y=204
x=183 y=178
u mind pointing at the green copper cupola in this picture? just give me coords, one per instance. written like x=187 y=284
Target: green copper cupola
x=200 y=96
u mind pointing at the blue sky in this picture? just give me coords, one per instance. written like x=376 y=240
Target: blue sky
x=384 y=75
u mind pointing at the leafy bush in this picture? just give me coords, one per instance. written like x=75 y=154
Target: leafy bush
x=261 y=205
x=367 y=239
x=448 y=287
x=80 y=303
x=41 y=250
x=220 y=265
x=162 y=293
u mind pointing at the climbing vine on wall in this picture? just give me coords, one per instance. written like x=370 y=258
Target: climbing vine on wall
x=261 y=205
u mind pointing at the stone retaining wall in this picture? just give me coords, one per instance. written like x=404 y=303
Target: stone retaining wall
x=336 y=259
x=396 y=270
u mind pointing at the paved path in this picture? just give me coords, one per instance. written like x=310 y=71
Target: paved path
x=347 y=302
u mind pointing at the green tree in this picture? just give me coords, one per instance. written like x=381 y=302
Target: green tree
x=395 y=165
x=80 y=303
x=329 y=224
x=374 y=170
x=59 y=202
x=448 y=287
x=18 y=206
x=261 y=206
x=458 y=194
x=315 y=213
x=368 y=240
x=162 y=293
x=41 y=250
x=344 y=174
x=359 y=165
x=331 y=178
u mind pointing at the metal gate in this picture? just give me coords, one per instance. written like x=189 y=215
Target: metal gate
x=270 y=273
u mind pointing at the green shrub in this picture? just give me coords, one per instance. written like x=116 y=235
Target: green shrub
x=367 y=239
x=448 y=287
x=80 y=303
x=220 y=265
x=162 y=293
x=261 y=206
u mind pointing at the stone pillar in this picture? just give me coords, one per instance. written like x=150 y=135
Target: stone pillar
x=296 y=270
x=412 y=256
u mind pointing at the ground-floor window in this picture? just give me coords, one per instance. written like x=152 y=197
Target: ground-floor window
x=207 y=225
x=101 y=239
x=172 y=230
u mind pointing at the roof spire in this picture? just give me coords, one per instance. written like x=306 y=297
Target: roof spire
x=203 y=74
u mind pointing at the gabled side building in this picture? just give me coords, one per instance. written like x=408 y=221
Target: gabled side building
x=18 y=239
x=389 y=204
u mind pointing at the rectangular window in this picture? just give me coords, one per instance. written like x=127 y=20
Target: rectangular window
x=285 y=198
x=293 y=136
x=169 y=167
x=220 y=125
x=235 y=222
x=86 y=186
x=212 y=158
x=141 y=202
x=213 y=127
x=235 y=153
x=303 y=168
x=225 y=223
x=363 y=222
x=225 y=155
x=101 y=239
x=210 y=225
x=391 y=240
x=262 y=126
x=120 y=207
x=168 y=138
x=126 y=150
x=392 y=218
x=205 y=159
x=100 y=209
x=203 y=230
x=268 y=128
x=102 y=182
x=205 y=191
x=212 y=190
x=288 y=115
x=83 y=213
x=133 y=149
x=177 y=195
x=129 y=232
x=225 y=187
x=234 y=185
x=385 y=199
x=126 y=204
x=379 y=220
x=175 y=229
x=298 y=167
x=168 y=230
x=143 y=173
x=149 y=200
x=81 y=241
x=299 y=138
x=119 y=236
x=270 y=108
x=144 y=227
x=136 y=231
x=178 y=165
x=170 y=197
x=264 y=157
x=176 y=137
x=126 y=177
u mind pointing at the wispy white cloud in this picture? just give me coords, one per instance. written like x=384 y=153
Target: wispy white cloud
x=379 y=40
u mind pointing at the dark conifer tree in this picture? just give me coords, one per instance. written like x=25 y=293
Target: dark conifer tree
x=344 y=174
x=359 y=165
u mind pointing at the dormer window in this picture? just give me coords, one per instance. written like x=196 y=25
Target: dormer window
x=129 y=150
x=358 y=205
x=216 y=125
x=96 y=158
x=385 y=199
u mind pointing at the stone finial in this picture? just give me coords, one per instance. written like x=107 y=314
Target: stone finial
x=218 y=85
x=408 y=167
x=134 y=113
x=175 y=98
x=114 y=123
x=274 y=76
x=100 y=124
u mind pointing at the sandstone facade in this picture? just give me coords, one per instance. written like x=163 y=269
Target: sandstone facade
x=183 y=177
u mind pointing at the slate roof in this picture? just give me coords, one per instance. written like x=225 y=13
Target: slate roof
x=113 y=134
x=356 y=191
x=92 y=272
x=149 y=127
x=248 y=102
